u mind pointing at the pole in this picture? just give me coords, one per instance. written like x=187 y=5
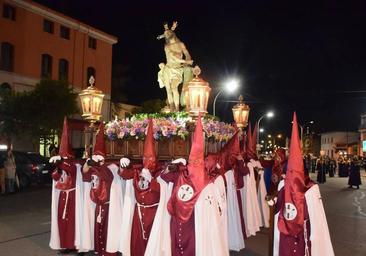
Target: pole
x=214 y=103
x=258 y=128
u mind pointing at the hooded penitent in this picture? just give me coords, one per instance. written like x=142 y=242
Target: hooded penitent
x=291 y=217
x=149 y=158
x=65 y=145
x=188 y=188
x=250 y=148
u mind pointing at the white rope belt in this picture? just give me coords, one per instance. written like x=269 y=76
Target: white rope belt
x=67 y=199
x=99 y=217
x=307 y=253
x=140 y=216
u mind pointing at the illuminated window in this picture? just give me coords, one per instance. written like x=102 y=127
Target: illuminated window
x=64 y=32
x=8 y=12
x=63 y=69
x=7 y=57
x=48 y=26
x=46 y=66
x=92 y=43
x=90 y=72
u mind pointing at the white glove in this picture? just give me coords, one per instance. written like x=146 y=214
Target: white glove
x=218 y=166
x=179 y=160
x=272 y=202
x=97 y=158
x=124 y=162
x=54 y=159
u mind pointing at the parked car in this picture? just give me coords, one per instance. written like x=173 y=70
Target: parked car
x=32 y=168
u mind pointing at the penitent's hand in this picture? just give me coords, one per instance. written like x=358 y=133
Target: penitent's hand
x=124 y=162
x=54 y=159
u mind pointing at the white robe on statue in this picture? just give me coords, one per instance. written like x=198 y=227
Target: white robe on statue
x=252 y=214
x=235 y=234
x=115 y=215
x=209 y=241
x=262 y=193
x=55 y=236
x=159 y=243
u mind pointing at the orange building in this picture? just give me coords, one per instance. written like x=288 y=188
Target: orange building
x=39 y=42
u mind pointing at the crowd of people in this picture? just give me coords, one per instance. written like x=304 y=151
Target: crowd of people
x=207 y=205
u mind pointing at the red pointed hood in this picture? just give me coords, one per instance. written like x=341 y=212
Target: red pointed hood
x=291 y=217
x=99 y=147
x=149 y=158
x=65 y=145
x=188 y=187
x=233 y=148
x=251 y=154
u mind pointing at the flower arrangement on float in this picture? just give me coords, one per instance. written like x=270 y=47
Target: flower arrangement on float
x=166 y=126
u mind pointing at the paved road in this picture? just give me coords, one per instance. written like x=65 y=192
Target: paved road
x=25 y=222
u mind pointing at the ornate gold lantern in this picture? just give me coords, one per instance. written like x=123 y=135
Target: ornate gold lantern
x=241 y=113
x=197 y=94
x=91 y=102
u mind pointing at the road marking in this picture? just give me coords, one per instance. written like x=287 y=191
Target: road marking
x=22 y=237
x=357 y=204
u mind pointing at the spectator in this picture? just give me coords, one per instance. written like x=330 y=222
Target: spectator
x=354 y=175
x=10 y=169
x=2 y=174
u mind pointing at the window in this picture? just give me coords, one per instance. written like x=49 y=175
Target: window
x=63 y=69
x=7 y=57
x=46 y=68
x=48 y=26
x=65 y=32
x=89 y=72
x=8 y=12
x=92 y=43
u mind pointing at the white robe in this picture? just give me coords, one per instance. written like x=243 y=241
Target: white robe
x=262 y=192
x=55 y=236
x=222 y=219
x=235 y=234
x=252 y=214
x=207 y=231
x=127 y=213
x=115 y=215
x=319 y=237
x=159 y=243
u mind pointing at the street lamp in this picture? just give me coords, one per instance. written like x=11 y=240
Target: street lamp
x=269 y=114
x=91 y=103
x=241 y=113
x=197 y=94
x=230 y=86
x=261 y=130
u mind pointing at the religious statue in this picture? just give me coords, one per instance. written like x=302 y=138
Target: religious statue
x=177 y=69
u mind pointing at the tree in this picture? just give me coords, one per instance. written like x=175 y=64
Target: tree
x=38 y=113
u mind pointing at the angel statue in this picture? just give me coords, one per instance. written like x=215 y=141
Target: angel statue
x=177 y=69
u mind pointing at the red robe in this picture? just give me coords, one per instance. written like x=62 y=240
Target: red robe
x=65 y=182
x=147 y=201
x=182 y=233
x=100 y=196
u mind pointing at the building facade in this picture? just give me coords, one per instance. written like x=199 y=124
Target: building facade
x=362 y=130
x=333 y=144
x=37 y=42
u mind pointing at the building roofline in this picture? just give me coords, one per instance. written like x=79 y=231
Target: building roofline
x=323 y=133
x=64 y=20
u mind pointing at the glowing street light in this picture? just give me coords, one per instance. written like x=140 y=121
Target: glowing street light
x=261 y=130
x=269 y=114
x=230 y=86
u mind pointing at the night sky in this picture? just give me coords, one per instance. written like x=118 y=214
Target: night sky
x=308 y=56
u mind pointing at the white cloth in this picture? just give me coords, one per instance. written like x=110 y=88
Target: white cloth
x=159 y=243
x=87 y=241
x=55 y=237
x=319 y=236
x=262 y=192
x=276 y=232
x=252 y=214
x=235 y=234
x=79 y=203
x=129 y=202
x=221 y=213
x=115 y=215
x=208 y=239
